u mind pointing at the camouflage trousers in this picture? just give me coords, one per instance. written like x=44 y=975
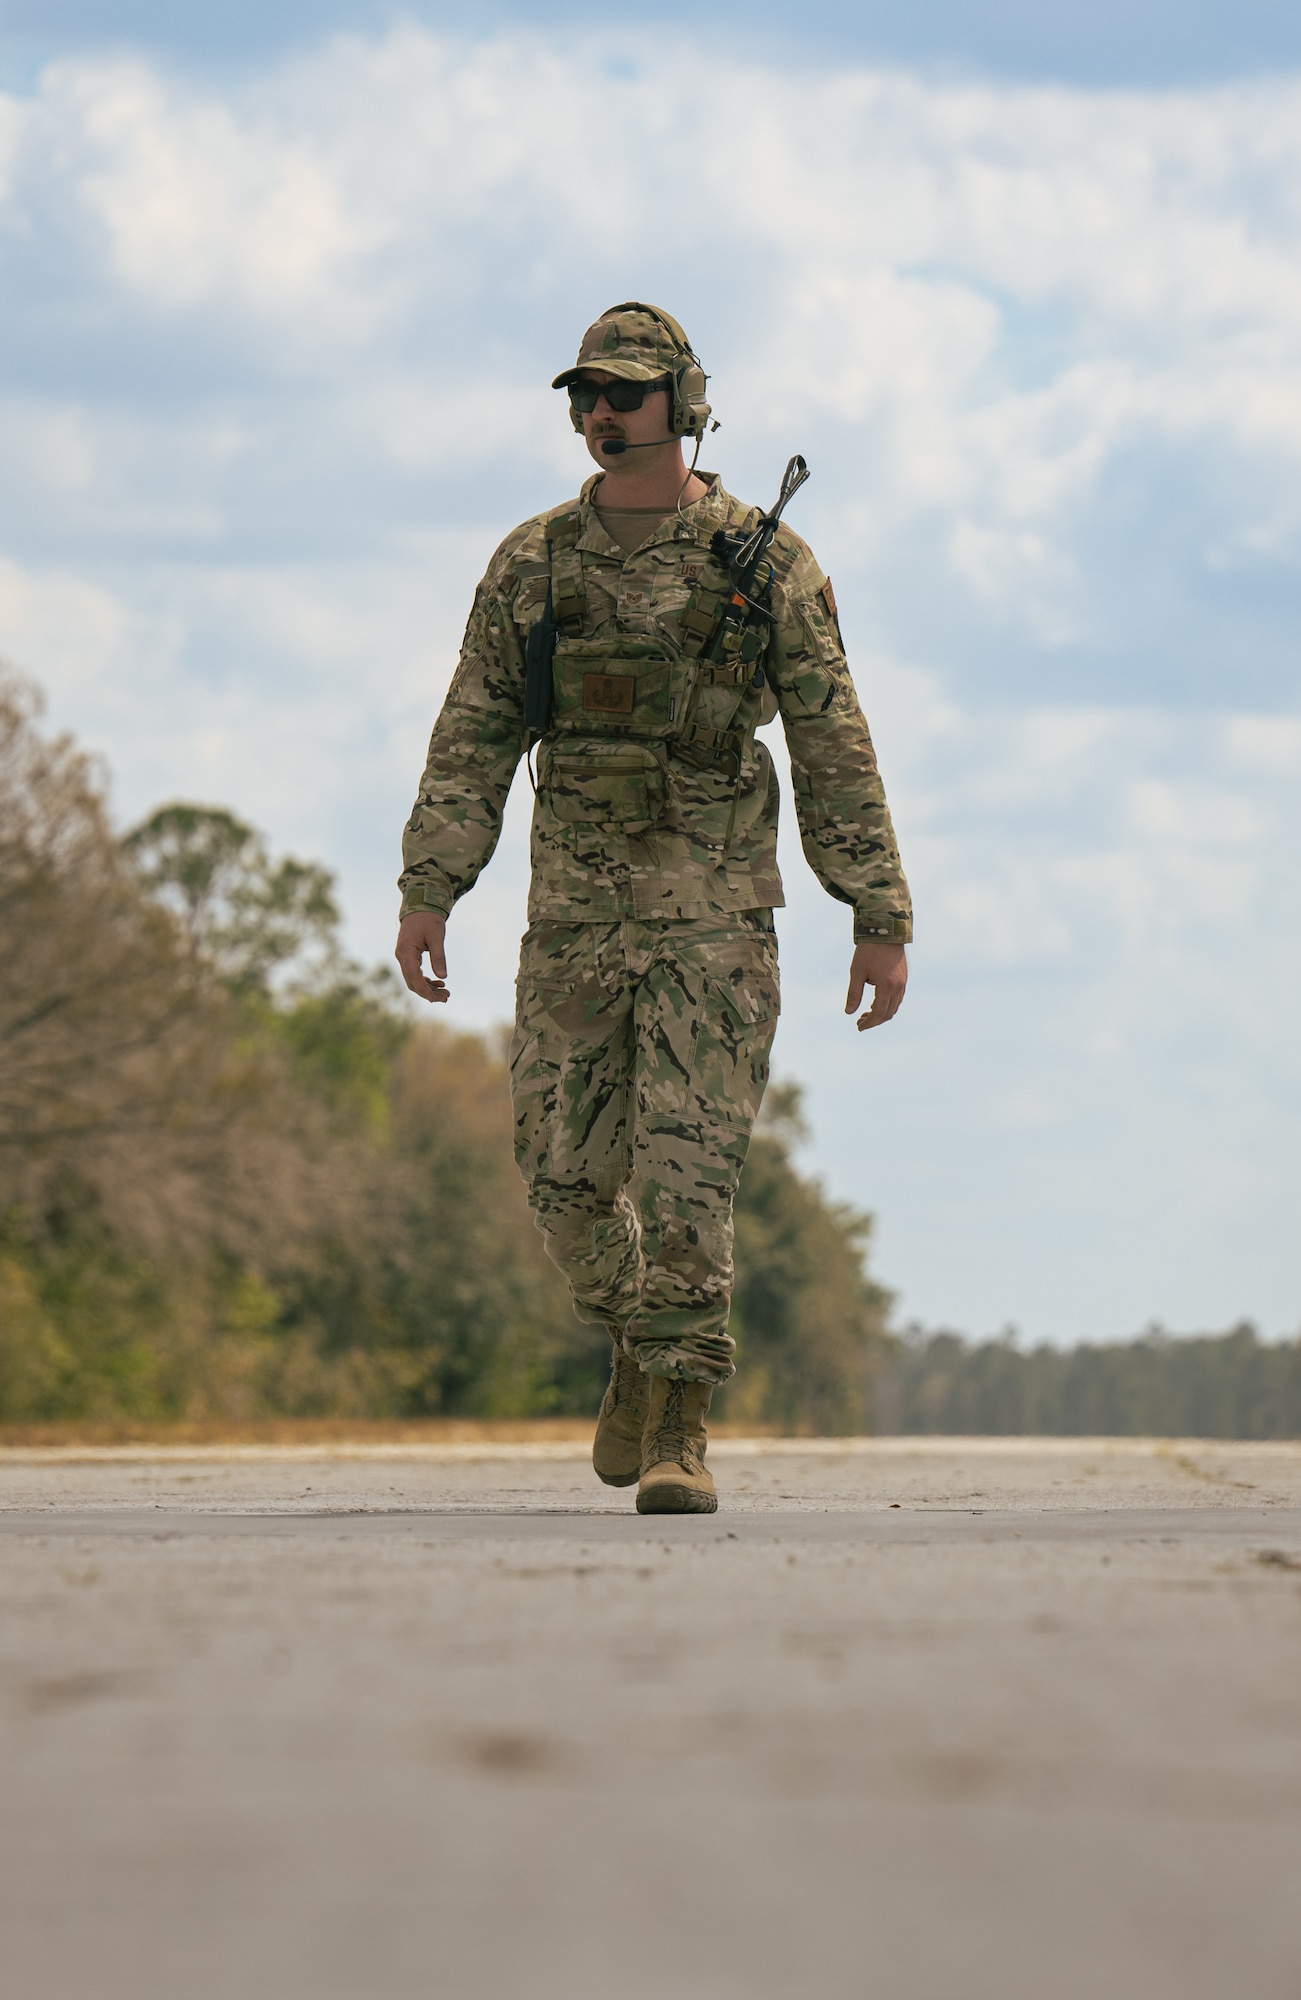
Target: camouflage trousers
x=638 y=1066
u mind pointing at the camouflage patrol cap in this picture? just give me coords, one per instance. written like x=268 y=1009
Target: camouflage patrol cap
x=633 y=340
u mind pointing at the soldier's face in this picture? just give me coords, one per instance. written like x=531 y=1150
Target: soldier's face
x=647 y=425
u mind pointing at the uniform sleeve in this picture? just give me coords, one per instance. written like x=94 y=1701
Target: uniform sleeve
x=477 y=741
x=844 y=820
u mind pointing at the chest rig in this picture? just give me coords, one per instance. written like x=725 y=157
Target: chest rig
x=628 y=717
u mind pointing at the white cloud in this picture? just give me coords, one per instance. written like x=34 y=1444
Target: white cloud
x=278 y=354
x=1266 y=743
x=985 y=295
x=59 y=627
x=197 y=202
x=1084 y=1117
x=49 y=446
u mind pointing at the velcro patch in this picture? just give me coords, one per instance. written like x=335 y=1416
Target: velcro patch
x=829 y=598
x=614 y=694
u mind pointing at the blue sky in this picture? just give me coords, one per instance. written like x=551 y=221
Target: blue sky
x=1107 y=43
x=284 y=288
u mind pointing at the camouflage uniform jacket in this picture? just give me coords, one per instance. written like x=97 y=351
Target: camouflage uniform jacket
x=711 y=847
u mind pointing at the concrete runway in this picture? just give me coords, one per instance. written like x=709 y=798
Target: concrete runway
x=909 y=1719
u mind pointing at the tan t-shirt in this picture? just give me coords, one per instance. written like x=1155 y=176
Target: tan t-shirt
x=631 y=526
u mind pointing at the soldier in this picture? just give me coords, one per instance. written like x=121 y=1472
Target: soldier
x=648 y=993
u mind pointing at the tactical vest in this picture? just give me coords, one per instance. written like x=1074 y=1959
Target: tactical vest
x=628 y=710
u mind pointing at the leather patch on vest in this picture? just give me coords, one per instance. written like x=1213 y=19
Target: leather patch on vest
x=614 y=694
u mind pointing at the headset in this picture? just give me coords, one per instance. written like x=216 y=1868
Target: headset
x=688 y=410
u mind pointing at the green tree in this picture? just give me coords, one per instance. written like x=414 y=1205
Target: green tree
x=243 y=915
x=1229 y=1384
x=811 y=1326
x=155 y=1152
x=97 y=1006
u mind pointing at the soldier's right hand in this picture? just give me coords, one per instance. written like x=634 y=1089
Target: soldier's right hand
x=419 y=932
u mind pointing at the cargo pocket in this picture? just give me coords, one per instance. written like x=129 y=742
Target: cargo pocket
x=708 y=1030
x=605 y=784
x=738 y=1023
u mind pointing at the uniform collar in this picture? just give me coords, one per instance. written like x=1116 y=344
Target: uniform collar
x=695 y=523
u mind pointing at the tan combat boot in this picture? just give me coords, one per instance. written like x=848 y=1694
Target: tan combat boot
x=616 y=1449
x=673 y=1475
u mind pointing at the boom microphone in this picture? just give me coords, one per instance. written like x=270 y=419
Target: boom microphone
x=616 y=447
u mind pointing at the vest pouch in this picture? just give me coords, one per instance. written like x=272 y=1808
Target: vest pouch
x=616 y=686
x=604 y=782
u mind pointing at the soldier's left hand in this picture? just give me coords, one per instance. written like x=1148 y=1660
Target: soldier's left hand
x=421 y=932
x=882 y=965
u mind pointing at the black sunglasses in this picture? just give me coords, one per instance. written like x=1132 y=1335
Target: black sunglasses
x=621 y=396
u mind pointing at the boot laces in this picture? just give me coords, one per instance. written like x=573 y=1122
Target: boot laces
x=675 y=1443
x=626 y=1377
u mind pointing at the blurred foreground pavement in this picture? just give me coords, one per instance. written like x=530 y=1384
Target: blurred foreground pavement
x=915 y=1719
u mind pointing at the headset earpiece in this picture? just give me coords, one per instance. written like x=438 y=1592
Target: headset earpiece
x=689 y=412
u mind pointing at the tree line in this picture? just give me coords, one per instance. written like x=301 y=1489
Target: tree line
x=1212 y=1385
x=239 y=1180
